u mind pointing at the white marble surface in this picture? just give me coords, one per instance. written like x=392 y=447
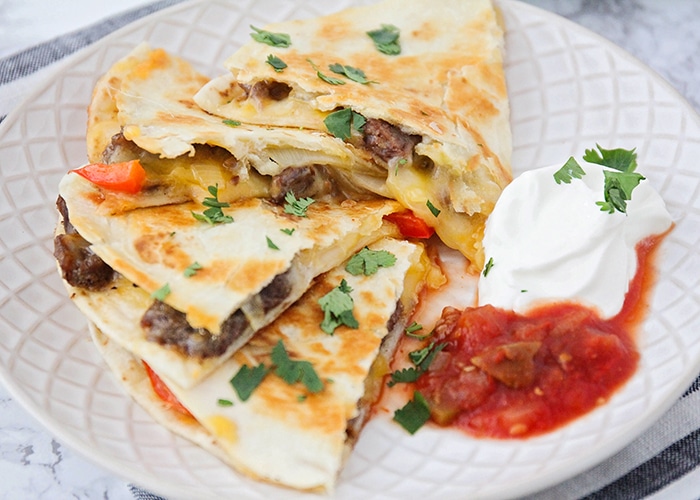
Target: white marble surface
x=33 y=464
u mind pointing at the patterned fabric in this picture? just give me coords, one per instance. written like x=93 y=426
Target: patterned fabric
x=669 y=449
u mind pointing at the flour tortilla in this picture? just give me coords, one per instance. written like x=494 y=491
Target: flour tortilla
x=447 y=86
x=152 y=247
x=148 y=97
x=283 y=434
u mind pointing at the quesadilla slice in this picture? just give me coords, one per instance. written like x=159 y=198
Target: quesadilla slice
x=415 y=88
x=288 y=407
x=143 y=108
x=202 y=288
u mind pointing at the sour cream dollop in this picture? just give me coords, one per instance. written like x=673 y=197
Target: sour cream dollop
x=550 y=242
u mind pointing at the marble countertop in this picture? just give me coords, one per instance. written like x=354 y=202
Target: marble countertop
x=33 y=464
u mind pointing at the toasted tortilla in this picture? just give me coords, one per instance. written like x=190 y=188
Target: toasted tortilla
x=148 y=97
x=152 y=247
x=447 y=87
x=283 y=433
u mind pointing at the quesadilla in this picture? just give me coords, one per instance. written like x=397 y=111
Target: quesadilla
x=315 y=388
x=143 y=108
x=415 y=88
x=203 y=288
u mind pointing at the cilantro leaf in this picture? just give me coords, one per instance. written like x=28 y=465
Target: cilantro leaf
x=296 y=206
x=368 y=261
x=213 y=214
x=248 y=379
x=337 y=306
x=404 y=376
x=413 y=414
x=161 y=293
x=224 y=402
x=433 y=209
x=621 y=181
x=422 y=359
x=386 y=39
x=271 y=244
x=354 y=74
x=293 y=371
x=415 y=327
x=340 y=123
x=270 y=38
x=618 y=190
x=278 y=64
x=624 y=160
x=325 y=78
x=192 y=269
x=231 y=123
x=288 y=231
x=570 y=170
x=487 y=267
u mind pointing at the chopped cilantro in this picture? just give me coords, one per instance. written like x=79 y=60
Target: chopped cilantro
x=288 y=230
x=293 y=371
x=326 y=78
x=161 y=293
x=337 y=306
x=618 y=190
x=570 y=170
x=278 y=64
x=624 y=160
x=247 y=380
x=433 y=209
x=340 y=123
x=422 y=359
x=271 y=244
x=386 y=39
x=620 y=182
x=413 y=328
x=487 y=267
x=231 y=123
x=224 y=402
x=354 y=74
x=413 y=414
x=368 y=261
x=296 y=206
x=270 y=38
x=192 y=269
x=404 y=376
x=213 y=214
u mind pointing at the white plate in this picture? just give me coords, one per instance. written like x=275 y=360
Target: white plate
x=569 y=89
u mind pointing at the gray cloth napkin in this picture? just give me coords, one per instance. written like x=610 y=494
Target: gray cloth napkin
x=665 y=453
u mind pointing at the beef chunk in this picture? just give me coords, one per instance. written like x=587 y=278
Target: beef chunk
x=386 y=141
x=120 y=149
x=276 y=292
x=80 y=266
x=63 y=210
x=311 y=181
x=168 y=326
x=267 y=90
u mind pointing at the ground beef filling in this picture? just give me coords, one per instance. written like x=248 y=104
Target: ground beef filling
x=386 y=141
x=80 y=266
x=267 y=89
x=314 y=181
x=167 y=326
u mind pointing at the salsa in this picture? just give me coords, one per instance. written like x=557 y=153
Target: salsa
x=505 y=375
